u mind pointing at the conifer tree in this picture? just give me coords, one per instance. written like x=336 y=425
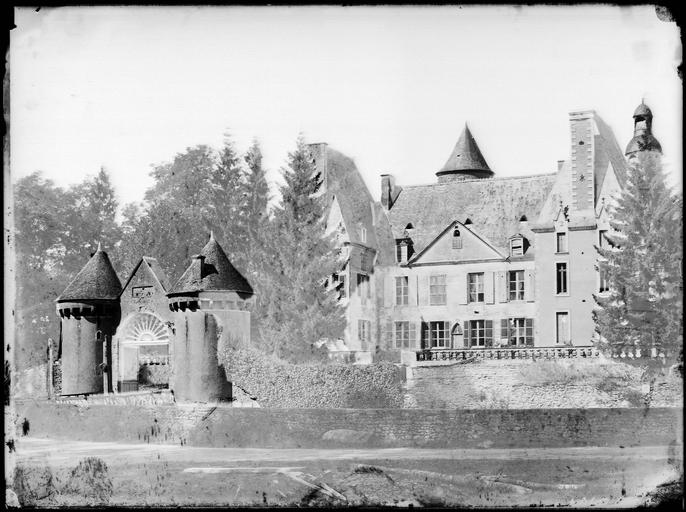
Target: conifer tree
x=643 y=264
x=257 y=201
x=295 y=306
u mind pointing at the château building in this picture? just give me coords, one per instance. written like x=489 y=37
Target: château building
x=474 y=260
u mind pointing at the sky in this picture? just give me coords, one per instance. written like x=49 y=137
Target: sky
x=391 y=87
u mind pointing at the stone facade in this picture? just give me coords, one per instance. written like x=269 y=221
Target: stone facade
x=150 y=334
x=477 y=261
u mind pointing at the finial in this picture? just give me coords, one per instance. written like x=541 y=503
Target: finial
x=99 y=249
x=211 y=235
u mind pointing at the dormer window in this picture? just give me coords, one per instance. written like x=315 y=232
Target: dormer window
x=457 y=239
x=403 y=250
x=517 y=246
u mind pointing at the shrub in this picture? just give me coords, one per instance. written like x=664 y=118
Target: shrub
x=90 y=480
x=276 y=383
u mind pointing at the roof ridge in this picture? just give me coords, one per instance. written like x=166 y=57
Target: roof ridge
x=482 y=180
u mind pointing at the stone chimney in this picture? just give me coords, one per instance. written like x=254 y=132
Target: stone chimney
x=196 y=265
x=583 y=131
x=389 y=191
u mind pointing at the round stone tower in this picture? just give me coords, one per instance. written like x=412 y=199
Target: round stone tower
x=465 y=162
x=210 y=304
x=89 y=315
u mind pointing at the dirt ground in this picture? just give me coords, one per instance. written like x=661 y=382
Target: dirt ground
x=53 y=473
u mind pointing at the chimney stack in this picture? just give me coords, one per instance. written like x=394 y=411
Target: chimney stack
x=389 y=191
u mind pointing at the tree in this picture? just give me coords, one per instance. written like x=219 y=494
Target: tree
x=295 y=307
x=643 y=265
x=256 y=207
x=198 y=192
x=56 y=232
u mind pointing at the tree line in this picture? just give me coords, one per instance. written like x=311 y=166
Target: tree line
x=280 y=248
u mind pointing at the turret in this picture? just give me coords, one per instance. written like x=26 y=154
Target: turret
x=89 y=314
x=465 y=162
x=643 y=139
x=210 y=303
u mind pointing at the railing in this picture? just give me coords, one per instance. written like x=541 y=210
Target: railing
x=154 y=359
x=507 y=353
x=532 y=353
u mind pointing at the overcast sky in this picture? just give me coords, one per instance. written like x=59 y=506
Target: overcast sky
x=127 y=87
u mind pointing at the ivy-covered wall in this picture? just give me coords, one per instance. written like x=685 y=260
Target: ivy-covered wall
x=275 y=383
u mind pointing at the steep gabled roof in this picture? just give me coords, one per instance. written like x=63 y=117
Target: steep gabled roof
x=448 y=228
x=466 y=156
x=97 y=280
x=494 y=206
x=212 y=272
x=156 y=270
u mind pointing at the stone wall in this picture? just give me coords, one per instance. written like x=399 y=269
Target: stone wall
x=221 y=426
x=523 y=384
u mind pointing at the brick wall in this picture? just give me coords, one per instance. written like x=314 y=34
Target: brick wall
x=203 y=425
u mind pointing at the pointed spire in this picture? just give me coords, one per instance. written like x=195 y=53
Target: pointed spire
x=211 y=235
x=211 y=270
x=99 y=249
x=97 y=280
x=466 y=160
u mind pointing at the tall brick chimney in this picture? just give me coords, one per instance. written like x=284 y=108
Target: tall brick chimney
x=583 y=131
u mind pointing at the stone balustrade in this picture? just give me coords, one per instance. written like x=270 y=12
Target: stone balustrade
x=532 y=353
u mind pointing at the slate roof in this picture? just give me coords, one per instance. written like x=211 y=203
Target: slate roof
x=345 y=182
x=216 y=273
x=643 y=111
x=97 y=280
x=156 y=270
x=466 y=156
x=493 y=205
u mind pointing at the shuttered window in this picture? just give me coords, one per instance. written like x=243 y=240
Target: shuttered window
x=401 y=290
x=517 y=332
x=475 y=285
x=479 y=333
x=437 y=290
x=402 y=334
x=516 y=284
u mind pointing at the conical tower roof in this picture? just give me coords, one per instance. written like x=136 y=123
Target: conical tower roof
x=96 y=281
x=211 y=270
x=466 y=158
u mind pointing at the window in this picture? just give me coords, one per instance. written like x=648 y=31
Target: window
x=603 y=284
x=479 y=333
x=457 y=239
x=363 y=289
x=402 y=334
x=435 y=334
x=516 y=286
x=363 y=330
x=517 y=247
x=476 y=287
x=517 y=332
x=562 y=242
x=401 y=293
x=403 y=250
x=561 y=277
x=562 y=323
x=437 y=290
x=363 y=235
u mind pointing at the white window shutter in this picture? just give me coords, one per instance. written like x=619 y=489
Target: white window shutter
x=388 y=334
x=502 y=286
x=529 y=284
x=414 y=342
x=489 y=293
x=463 y=294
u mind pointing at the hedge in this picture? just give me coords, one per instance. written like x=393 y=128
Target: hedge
x=276 y=383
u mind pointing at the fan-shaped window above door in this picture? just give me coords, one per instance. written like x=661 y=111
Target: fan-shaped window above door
x=146 y=328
